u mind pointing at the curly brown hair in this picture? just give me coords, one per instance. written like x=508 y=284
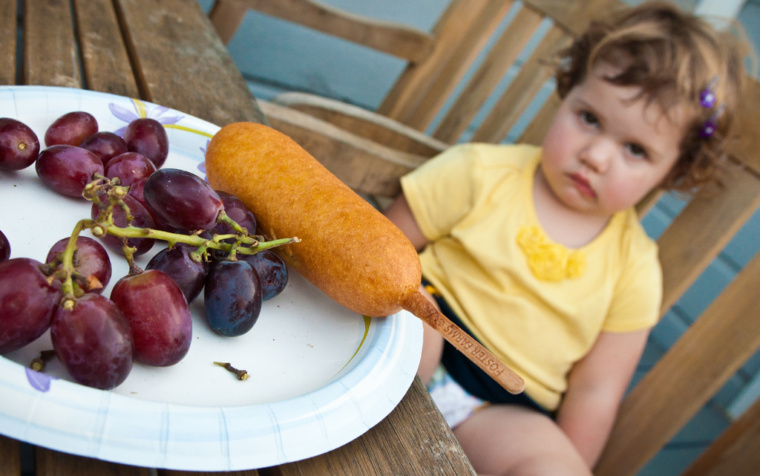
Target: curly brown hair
x=673 y=56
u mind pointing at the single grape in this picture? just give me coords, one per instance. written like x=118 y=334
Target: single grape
x=232 y=298
x=140 y=218
x=235 y=209
x=19 y=145
x=148 y=137
x=71 y=129
x=93 y=341
x=137 y=190
x=106 y=145
x=91 y=262
x=178 y=263
x=66 y=169
x=182 y=199
x=272 y=272
x=129 y=167
x=5 y=248
x=158 y=316
x=27 y=302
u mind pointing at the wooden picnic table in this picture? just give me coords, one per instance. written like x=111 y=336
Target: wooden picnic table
x=167 y=52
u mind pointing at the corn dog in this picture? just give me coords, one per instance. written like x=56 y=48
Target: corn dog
x=348 y=249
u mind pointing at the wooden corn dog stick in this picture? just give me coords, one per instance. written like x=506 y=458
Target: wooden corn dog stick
x=348 y=249
x=419 y=305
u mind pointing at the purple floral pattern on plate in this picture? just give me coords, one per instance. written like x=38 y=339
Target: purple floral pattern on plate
x=38 y=380
x=202 y=165
x=141 y=111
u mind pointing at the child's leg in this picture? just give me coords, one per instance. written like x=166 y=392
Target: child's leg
x=514 y=440
x=432 y=347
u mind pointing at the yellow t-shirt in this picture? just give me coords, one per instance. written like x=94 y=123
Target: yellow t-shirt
x=474 y=203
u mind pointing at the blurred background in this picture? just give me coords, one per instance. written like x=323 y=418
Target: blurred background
x=288 y=58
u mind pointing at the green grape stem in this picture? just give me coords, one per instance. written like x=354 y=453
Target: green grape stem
x=247 y=245
x=224 y=218
x=103 y=188
x=67 y=266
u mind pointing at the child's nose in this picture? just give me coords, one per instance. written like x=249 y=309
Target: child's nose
x=597 y=154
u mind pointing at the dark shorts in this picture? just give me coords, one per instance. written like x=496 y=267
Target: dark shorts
x=468 y=375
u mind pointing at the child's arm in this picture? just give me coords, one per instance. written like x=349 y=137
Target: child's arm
x=596 y=386
x=401 y=215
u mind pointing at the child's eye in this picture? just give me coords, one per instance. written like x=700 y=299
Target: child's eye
x=589 y=118
x=636 y=150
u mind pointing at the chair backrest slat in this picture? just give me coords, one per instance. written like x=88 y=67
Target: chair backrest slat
x=420 y=105
x=515 y=100
x=536 y=130
x=424 y=87
x=490 y=73
x=389 y=37
x=573 y=17
x=701 y=231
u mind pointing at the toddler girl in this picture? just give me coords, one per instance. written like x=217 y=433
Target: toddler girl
x=538 y=251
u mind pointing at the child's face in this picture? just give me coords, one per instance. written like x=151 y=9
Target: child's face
x=604 y=152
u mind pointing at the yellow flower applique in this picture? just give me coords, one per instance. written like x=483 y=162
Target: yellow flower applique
x=549 y=261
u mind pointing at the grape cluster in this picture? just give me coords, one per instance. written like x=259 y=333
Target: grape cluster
x=135 y=202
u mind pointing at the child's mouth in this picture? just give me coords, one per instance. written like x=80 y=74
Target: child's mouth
x=582 y=185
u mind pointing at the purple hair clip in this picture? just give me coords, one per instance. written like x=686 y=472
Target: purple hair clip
x=707 y=100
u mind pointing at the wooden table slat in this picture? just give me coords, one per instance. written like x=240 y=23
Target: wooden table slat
x=104 y=55
x=10 y=460
x=182 y=62
x=55 y=463
x=166 y=472
x=395 y=446
x=50 y=51
x=8 y=32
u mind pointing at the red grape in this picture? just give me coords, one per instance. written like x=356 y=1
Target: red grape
x=235 y=209
x=67 y=169
x=136 y=192
x=272 y=272
x=27 y=301
x=71 y=129
x=129 y=167
x=182 y=268
x=232 y=298
x=90 y=261
x=93 y=341
x=182 y=199
x=158 y=316
x=105 y=145
x=148 y=137
x=5 y=248
x=140 y=218
x=19 y=145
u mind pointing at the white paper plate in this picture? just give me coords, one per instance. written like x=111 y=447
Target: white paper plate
x=320 y=375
